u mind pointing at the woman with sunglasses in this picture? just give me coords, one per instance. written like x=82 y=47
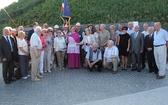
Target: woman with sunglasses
x=124 y=45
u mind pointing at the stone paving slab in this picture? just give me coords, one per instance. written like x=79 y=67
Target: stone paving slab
x=152 y=97
x=76 y=86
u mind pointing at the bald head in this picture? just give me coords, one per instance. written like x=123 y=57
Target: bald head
x=157 y=26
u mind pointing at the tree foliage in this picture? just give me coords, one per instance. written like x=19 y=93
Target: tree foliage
x=25 y=12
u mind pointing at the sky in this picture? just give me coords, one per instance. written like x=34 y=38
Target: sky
x=5 y=3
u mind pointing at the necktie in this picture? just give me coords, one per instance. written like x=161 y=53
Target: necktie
x=150 y=36
x=135 y=35
x=9 y=44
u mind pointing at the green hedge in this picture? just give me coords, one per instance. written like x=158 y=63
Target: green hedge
x=25 y=12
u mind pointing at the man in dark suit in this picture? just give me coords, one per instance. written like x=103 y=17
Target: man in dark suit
x=150 y=51
x=35 y=24
x=136 y=47
x=6 y=55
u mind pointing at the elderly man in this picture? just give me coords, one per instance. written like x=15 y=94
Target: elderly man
x=160 y=50
x=111 y=56
x=130 y=28
x=94 y=57
x=45 y=26
x=104 y=36
x=150 y=51
x=35 y=50
x=7 y=56
x=119 y=31
x=20 y=28
x=145 y=32
x=136 y=47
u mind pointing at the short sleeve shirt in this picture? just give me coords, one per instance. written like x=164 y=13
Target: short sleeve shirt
x=160 y=37
x=22 y=43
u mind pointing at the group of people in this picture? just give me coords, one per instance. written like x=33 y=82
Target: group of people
x=93 y=48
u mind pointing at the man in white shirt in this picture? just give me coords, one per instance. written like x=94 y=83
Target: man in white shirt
x=119 y=31
x=130 y=28
x=111 y=57
x=160 y=49
x=35 y=50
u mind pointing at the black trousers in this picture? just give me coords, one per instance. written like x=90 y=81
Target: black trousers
x=99 y=64
x=151 y=62
x=143 y=55
x=8 y=69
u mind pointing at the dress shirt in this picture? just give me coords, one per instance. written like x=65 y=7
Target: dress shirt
x=160 y=37
x=145 y=33
x=9 y=41
x=130 y=31
x=35 y=41
x=113 y=51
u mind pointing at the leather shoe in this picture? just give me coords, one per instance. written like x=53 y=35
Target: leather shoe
x=160 y=77
x=139 y=70
x=150 y=71
x=114 y=72
x=7 y=82
x=133 y=69
x=12 y=79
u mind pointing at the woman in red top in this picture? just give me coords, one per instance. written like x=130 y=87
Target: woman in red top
x=44 y=31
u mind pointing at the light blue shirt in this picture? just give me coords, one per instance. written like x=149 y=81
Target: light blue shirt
x=118 y=32
x=160 y=37
x=130 y=31
x=35 y=41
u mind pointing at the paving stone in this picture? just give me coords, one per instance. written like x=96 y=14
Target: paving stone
x=75 y=86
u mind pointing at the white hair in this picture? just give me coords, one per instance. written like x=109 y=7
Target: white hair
x=95 y=44
x=6 y=28
x=96 y=25
x=38 y=28
x=111 y=42
x=151 y=27
x=145 y=24
x=112 y=26
x=103 y=25
x=137 y=26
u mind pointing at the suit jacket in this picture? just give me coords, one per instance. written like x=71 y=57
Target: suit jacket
x=137 y=44
x=30 y=34
x=5 y=51
x=15 y=49
x=149 y=41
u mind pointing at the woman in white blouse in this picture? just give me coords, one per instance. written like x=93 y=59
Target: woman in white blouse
x=59 y=48
x=87 y=42
x=23 y=54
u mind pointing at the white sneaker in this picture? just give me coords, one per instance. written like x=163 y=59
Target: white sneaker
x=24 y=77
x=28 y=75
x=49 y=71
